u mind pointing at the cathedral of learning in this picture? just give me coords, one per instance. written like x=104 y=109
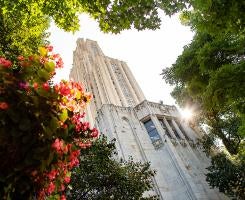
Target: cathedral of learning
x=147 y=131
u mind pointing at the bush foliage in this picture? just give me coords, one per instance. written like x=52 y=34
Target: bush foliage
x=41 y=128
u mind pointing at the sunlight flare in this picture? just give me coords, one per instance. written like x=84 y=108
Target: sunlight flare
x=187 y=113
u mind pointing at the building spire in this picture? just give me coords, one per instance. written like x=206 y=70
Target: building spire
x=110 y=80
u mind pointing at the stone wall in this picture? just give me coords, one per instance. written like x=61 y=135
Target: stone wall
x=179 y=162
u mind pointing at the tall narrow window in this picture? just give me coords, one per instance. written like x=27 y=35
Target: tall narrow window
x=165 y=128
x=173 y=128
x=152 y=132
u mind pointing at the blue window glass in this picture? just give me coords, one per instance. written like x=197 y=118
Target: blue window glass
x=149 y=126
x=152 y=132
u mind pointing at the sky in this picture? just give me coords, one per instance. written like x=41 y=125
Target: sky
x=146 y=52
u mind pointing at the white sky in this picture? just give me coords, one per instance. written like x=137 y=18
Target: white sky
x=146 y=52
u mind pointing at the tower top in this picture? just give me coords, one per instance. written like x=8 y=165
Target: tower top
x=89 y=46
x=110 y=80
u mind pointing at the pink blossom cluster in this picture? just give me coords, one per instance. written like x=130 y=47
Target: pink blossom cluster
x=67 y=95
x=5 y=63
x=60 y=172
x=74 y=97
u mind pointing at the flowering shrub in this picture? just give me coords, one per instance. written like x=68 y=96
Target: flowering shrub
x=41 y=127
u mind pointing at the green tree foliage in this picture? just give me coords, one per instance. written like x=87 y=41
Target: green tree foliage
x=100 y=176
x=22 y=32
x=23 y=22
x=112 y=16
x=115 y=16
x=216 y=17
x=209 y=77
x=228 y=175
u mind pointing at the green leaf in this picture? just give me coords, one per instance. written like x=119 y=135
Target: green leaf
x=68 y=174
x=43 y=75
x=49 y=66
x=54 y=123
x=63 y=116
x=50 y=158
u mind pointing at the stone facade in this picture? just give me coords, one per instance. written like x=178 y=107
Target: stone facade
x=147 y=131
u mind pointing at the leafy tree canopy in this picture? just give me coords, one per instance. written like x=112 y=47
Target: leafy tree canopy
x=23 y=22
x=228 y=175
x=101 y=176
x=112 y=16
x=215 y=17
x=115 y=16
x=209 y=77
x=21 y=32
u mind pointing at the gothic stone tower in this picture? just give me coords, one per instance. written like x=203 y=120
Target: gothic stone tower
x=145 y=130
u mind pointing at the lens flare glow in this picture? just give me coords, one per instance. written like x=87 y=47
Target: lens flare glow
x=187 y=113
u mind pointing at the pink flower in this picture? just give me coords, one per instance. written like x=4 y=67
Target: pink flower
x=5 y=63
x=41 y=195
x=51 y=188
x=85 y=126
x=88 y=144
x=4 y=106
x=62 y=187
x=20 y=58
x=30 y=58
x=77 y=117
x=83 y=145
x=94 y=133
x=57 y=145
x=46 y=86
x=35 y=86
x=65 y=149
x=74 y=162
x=73 y=158
x=49 y=48
x=43 y=60
x=52 y=174
x=24 y=85
x=59 y=63
x=63 y=197
x=67 y=179
x=64 y=126
x=55 y=56
x=63 y=88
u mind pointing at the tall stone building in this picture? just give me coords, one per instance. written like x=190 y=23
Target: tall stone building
x=145 y=130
